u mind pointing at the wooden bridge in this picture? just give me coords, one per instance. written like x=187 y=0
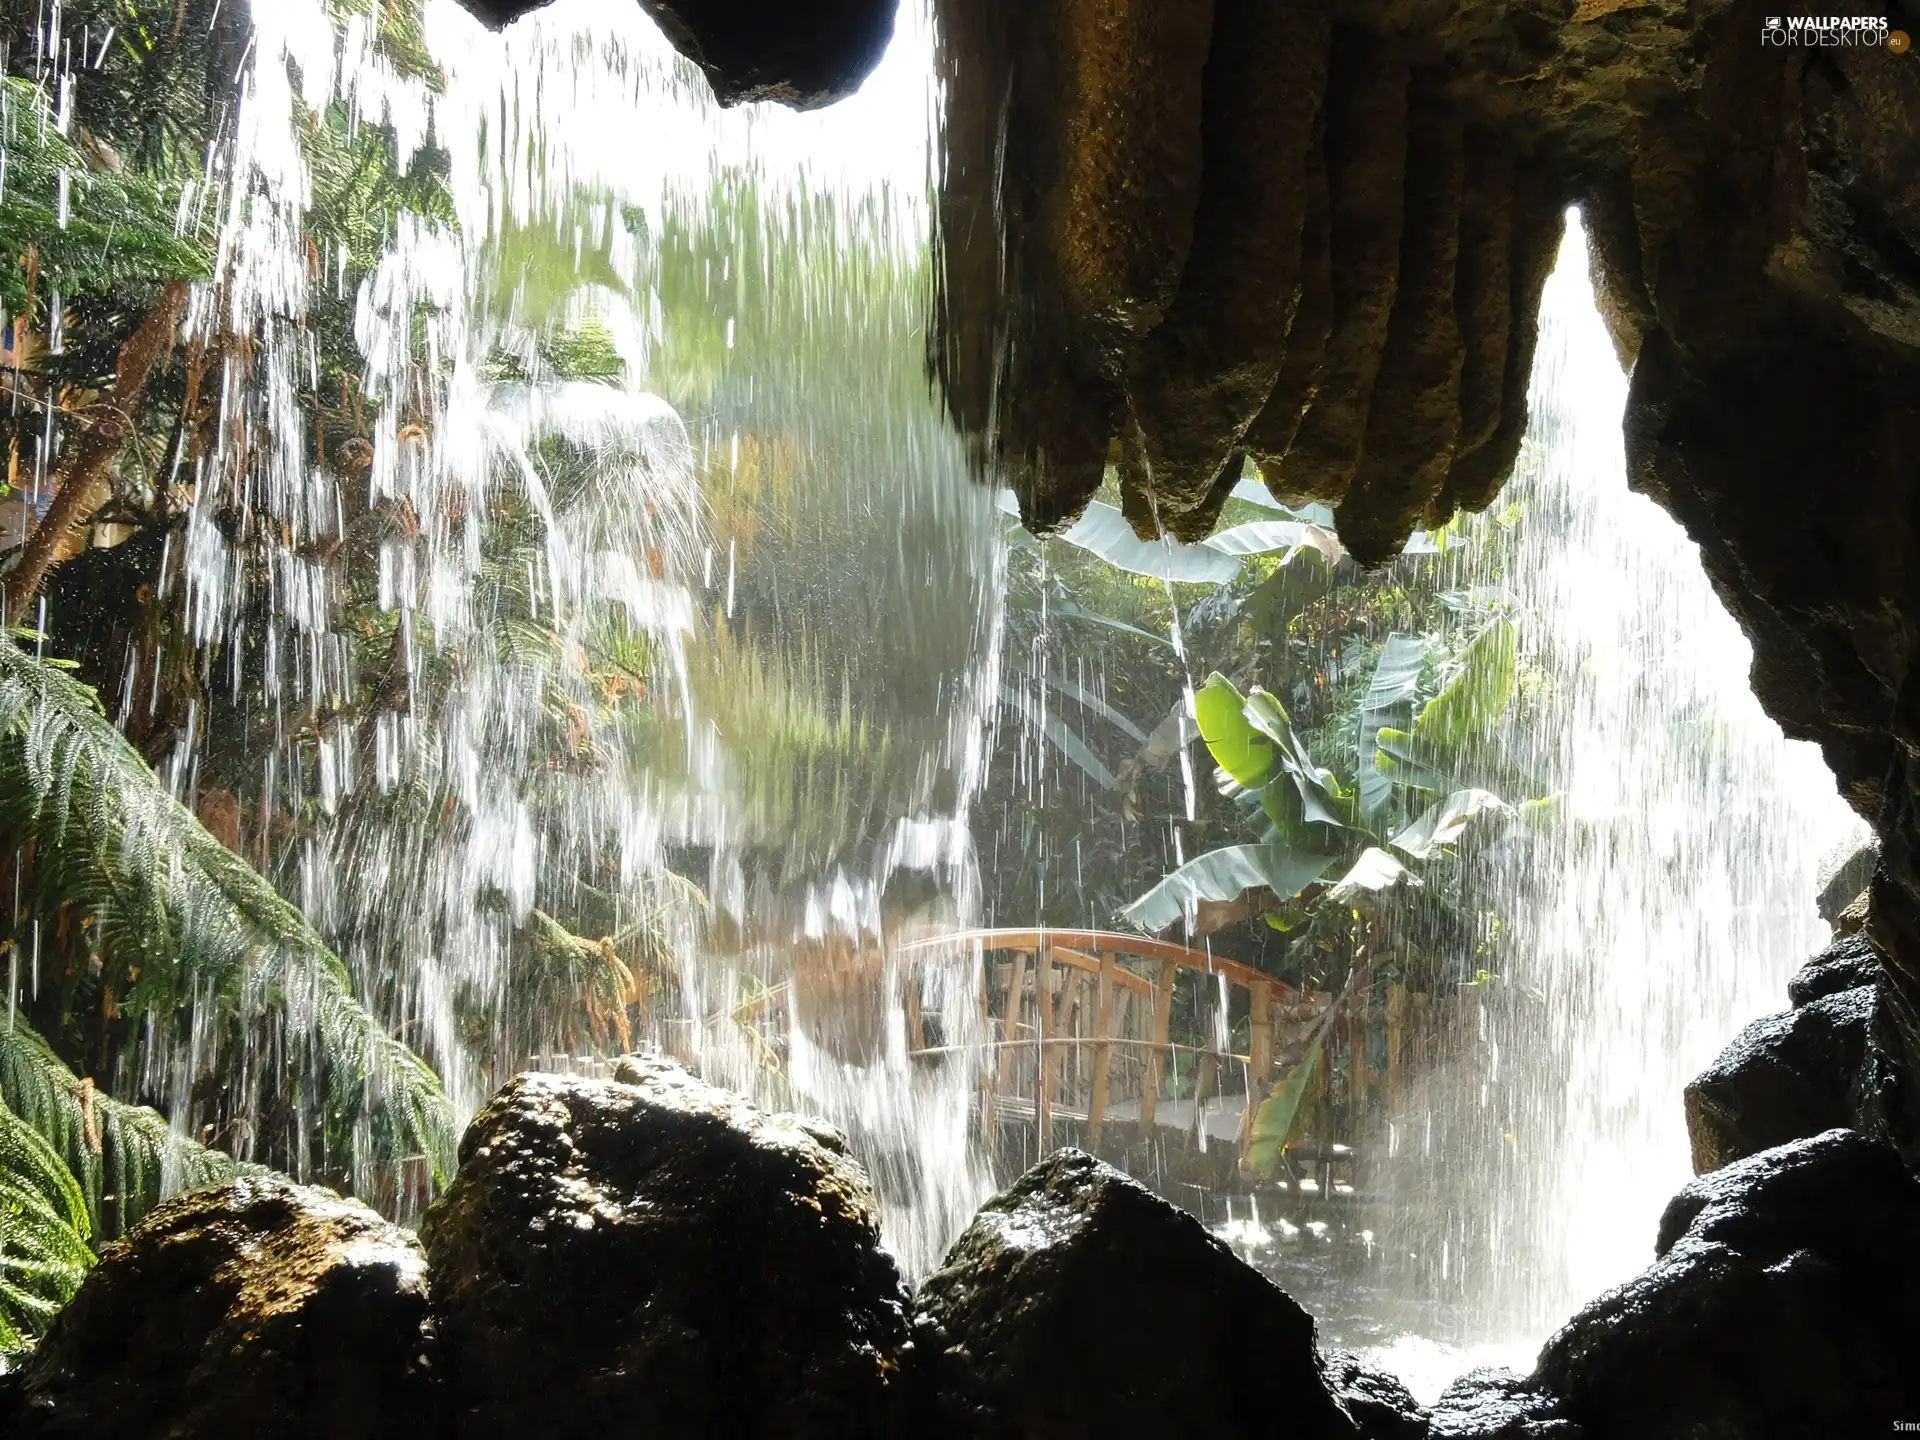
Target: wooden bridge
x=1077 y=1030
x=1078 y=1026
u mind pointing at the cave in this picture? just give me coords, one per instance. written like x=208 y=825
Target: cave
x=543 y=545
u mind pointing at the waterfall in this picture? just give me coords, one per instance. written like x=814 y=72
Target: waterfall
x=1663 y=907
x=683 y=608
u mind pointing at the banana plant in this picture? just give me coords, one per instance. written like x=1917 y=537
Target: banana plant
x=1409 y=800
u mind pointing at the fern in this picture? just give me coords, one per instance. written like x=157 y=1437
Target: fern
x=43 y=1233
x=112 y=230
x=124 y=1158
x=179 y=912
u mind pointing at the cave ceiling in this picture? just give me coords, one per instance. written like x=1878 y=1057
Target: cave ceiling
x=1174 y=234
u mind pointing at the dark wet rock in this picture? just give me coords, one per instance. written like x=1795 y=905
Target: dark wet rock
x=1380 y=1405
x=1831 y=1061
x=1789 y=1076
x=1495 y=1404
x=1847 y=964
x=1785 y=1303
x=1840 y=886
x=1078 y=1303
x=256 y=1308
x=803 y=53
x=655 y=1255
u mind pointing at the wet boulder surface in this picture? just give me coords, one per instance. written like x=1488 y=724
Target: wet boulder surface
x=1784 y=1305
x=1847 y=964
x=1829 y=1061
x=1078 y=1303
x=658 y=1257
x=1497 y=1404
x=256 y=1308
x=1382 y=1407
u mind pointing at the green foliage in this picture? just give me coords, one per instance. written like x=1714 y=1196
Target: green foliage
x=43 y=1233
x=177 y=919
x=1277 y=1123
x=1310 y=820
x=118 y=230
x=124 y=1159
x=1388 y=704
x=1243 y=753
x=1478 y=693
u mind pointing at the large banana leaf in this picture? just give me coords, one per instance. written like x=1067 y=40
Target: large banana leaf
x=1372 y=873
x=1276 y=1123
x=1443 y=822
x=1241 y=751
x=1225 y=874
x=1099 y=707
x=1404 y=758
x=1063 y=738
x=1388 y=704
x=1322 y=799
x=1477 y=694
x=1104 y=531
x=1262 y=537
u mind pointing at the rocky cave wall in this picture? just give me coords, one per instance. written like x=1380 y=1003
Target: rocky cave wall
x=1177 y=232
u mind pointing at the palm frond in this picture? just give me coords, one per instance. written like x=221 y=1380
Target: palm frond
x=180 y=910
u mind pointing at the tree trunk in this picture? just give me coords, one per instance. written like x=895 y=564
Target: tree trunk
x=85 y=483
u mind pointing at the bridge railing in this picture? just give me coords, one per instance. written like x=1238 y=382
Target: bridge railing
x=1079 y=1029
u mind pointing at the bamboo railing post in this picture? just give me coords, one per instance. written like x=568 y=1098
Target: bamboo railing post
x=1010 y=1025
x=916 y=1026
x=1043 y=1017
x=1156 y=1056
x=1259 y=1054
x=1102 y=1053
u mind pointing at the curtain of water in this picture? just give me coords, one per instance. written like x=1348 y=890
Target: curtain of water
x=712 y=610
x=1665 y=904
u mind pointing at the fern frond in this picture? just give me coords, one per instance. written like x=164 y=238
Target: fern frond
x=43 y=1233
x=89 y=230
x=188 y=914
x=124 y=1158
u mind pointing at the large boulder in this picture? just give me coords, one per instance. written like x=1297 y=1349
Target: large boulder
x=1079 y=1303
x=654 y=1255
x=1789 y=1076
x=1784 y=1305
x=1496 y=1404
x=256 y=1308
x=1823 y=1064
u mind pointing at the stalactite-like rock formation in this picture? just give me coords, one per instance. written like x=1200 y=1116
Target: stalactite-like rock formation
x=1334 y=266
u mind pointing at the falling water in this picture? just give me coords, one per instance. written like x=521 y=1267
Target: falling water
x=699 y=636
x=1665 y=905
x=692 y=609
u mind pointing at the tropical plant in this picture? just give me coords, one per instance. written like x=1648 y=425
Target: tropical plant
x=44 y=1228
x=124 y=1158
x=172 y=922
x=71 y=225
x=1406 y=799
